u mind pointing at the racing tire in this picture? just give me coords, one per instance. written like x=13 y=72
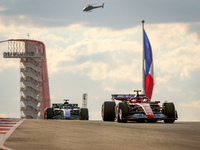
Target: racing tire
x=125 y=112
x=169 y=120
x=108 y=111
x=169 y=112
x=176 y=115
x=84 y=114
x=49 y=113
x=45 y=114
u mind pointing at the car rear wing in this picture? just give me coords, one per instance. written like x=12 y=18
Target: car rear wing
x=57 y=105
x=122 y=97
x=73 y=105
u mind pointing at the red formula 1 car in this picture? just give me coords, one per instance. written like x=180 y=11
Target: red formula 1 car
x=137 y=108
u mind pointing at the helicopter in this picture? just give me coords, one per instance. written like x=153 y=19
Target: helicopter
x=90 y=7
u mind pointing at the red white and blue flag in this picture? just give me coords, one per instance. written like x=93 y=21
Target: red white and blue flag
x=148 y=67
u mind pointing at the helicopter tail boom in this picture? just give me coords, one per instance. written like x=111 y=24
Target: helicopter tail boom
x=102 y=5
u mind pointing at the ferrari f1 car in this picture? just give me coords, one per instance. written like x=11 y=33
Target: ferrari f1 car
x=66 y=111
x=137 y=108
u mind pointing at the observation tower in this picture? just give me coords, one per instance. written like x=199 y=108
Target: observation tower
x=34 y=90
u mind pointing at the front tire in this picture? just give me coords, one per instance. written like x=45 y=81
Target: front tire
x=108 y=111
x=169 y=120
x=122 y=110
x=49 y=113
x=169 y=111
x=84 y=114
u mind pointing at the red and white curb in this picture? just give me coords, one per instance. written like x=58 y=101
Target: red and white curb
x=7 y=126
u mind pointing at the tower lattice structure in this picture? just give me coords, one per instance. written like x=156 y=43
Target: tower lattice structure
x=34 y=90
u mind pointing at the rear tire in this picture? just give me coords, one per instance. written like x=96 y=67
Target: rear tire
x=169 y=120
x=108 y=111
x=49 y=113
x=125 y=112
x=84 y=114
x=45 y=114
x=169 y=111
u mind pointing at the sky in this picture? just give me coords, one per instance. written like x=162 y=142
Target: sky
x=100 y=52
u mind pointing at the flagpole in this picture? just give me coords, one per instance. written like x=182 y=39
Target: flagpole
x=143 y=75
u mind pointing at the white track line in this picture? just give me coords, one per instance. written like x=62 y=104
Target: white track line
x=8 y=133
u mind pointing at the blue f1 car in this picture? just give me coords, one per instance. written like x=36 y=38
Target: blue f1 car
x=66 y=111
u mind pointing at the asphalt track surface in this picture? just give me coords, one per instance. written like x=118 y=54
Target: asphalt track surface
x=99 y=135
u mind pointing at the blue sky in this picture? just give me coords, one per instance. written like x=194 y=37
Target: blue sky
x=100 y=52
